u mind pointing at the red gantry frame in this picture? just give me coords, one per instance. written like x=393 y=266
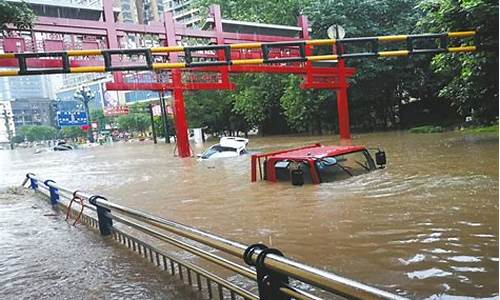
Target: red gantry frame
x=54 y=43
x=60 y=34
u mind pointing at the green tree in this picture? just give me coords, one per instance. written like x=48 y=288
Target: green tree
x=138 y=108
x=37 y=132
x=379 y=86
x=71 y=132
x=18 y=14
x=257 y=99
x=159 y=126
x=283 y=12
x=134 y=122
x=377 y=89
x=18 y=139
x=471 y=80
x=214 y=110
x=99 y=117
x=306 y=110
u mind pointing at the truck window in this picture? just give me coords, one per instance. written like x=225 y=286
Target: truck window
x=344 y=166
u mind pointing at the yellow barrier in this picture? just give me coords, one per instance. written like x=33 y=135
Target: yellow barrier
x=300 y=45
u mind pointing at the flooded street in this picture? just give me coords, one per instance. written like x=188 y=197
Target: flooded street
x=43 y=257
x=424 y=227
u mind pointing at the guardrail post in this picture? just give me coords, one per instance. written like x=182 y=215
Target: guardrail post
x=54 y=192
x=33 y=183
x=268 y=281
x=105 y=222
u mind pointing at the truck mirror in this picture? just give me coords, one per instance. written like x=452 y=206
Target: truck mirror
x=380 y=158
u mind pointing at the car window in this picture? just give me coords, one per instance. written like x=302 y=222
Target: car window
x=210 y=152
x=344 y=166
x=225 y=149
x=216 y=149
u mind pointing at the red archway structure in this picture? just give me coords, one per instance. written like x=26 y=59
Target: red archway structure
x=332 y=77
x=57 y=34
x=221 y=54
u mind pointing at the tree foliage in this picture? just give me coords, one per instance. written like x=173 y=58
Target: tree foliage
x=471 y=81
x=159 y=126
x=134 y=122
x=257 y=101
x=18 y=14
x=283 y=12
x=213 y=110
x=37 y=132
x=72 y=132
x=307 y=110
x=101 y=120
x=381 y=88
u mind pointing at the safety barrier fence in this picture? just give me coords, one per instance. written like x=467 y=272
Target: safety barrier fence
x=433 y=43
x=274 y=276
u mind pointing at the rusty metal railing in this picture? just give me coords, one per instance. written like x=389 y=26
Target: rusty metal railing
x=273 y=275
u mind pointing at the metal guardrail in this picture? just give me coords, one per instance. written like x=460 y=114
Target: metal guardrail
x=274 y=274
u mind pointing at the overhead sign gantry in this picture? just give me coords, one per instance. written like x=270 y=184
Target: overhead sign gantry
x=232 y=53
x=191 y=62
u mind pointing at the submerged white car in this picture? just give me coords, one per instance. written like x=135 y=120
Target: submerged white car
x=227 y=147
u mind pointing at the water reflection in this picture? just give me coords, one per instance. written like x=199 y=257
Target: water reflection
x=426 y=226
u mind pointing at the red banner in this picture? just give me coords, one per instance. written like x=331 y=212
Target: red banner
x=116 y=110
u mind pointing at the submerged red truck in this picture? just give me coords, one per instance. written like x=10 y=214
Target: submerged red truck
x=315 y=164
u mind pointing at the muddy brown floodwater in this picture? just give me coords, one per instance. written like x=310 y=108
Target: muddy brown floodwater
x=43 y=257
x=424 y=227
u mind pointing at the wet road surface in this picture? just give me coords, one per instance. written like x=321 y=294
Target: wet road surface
x=424 y=227
x=43 y=257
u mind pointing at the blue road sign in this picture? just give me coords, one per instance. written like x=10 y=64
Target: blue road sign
x=71 y=118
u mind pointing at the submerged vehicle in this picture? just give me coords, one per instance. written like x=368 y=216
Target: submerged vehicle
x=227 y=147
x=315 y=164
x=62 y=146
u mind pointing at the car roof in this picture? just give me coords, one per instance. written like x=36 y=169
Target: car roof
x=233 y=142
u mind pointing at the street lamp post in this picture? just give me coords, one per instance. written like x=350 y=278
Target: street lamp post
x=7 y=126
x=85 y=95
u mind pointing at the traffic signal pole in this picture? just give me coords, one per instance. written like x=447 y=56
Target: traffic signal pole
x=164 y=117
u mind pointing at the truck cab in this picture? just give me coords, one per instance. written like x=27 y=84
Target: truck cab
x=315 y=164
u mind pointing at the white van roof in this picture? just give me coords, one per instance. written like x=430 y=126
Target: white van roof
x=233 y=142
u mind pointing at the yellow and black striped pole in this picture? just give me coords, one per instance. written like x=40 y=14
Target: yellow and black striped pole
x=375 y=43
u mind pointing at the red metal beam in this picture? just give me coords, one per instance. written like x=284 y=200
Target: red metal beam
x=279 y=69
x=156 y=86
x=330 y=73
